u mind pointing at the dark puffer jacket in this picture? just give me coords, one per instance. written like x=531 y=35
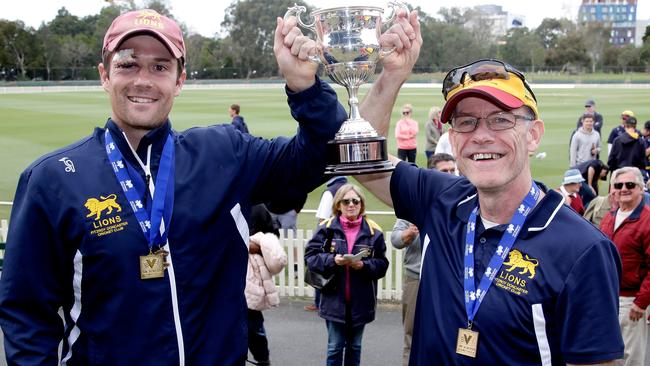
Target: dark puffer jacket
x=330 y=240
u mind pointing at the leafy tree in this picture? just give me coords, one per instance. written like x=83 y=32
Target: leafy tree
x=49 y=45
x=596 y=37
x=17 y=43
x=551 y=30
x=66 y=24
x=522 y=48
x=630 y=56
x=453 y=16
x=570 y=53
x=251 y=25
x=161 y=6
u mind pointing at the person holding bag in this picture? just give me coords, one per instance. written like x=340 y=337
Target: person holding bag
x=352 y=247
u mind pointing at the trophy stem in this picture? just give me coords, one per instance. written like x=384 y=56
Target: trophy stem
x=353 y=101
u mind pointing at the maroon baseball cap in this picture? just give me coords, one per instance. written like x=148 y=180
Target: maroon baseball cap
x=145 y=21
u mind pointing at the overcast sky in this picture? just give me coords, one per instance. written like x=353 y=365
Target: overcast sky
x=205 y=16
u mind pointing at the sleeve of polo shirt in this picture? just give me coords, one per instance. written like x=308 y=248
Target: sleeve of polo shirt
x=414 y=189
x=587 y=307
x=404 y=184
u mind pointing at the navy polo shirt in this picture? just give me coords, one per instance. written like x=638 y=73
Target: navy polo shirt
x=554 y=300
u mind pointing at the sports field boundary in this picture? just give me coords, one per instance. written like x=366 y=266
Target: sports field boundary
x=280 y=85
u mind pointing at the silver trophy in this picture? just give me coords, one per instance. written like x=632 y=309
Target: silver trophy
x=347 y=39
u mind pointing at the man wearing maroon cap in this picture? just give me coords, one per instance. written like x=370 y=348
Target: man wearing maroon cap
x=510 y=275
x=137 y=234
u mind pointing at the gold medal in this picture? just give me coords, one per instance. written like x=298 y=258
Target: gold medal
x=152 y=265
x=467 y=342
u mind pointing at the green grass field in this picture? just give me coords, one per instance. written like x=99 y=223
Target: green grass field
x=34 y=124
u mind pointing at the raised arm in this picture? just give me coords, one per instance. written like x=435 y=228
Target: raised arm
x=292 y=50
x=378 y=104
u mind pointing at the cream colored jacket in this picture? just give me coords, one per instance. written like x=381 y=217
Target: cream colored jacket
x=261 y=293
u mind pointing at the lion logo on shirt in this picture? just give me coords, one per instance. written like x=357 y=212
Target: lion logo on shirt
x=516 y=260
x=97 y=207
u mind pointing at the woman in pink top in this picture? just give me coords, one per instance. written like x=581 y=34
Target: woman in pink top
x=351 y=247
x=406 y=132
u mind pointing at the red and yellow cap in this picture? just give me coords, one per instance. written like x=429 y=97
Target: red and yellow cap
x=508 y=93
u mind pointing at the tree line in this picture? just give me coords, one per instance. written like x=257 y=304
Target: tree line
x=68 y=47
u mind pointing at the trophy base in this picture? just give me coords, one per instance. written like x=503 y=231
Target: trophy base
x=357 y=156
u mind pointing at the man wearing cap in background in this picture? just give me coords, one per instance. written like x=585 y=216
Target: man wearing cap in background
x=628 y=226
x=495 y=229
x=569 y=190
x=618 y=130
x=628 y=148
x=590 y=108
x=174 y=295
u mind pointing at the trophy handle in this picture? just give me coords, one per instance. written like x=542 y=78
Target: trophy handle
x=394 y=5
x=297 y=10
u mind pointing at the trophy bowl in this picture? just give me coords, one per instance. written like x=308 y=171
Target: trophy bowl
x=347 y=40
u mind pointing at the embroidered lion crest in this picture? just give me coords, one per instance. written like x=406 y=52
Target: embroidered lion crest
x=516 y=260
x=96 y=207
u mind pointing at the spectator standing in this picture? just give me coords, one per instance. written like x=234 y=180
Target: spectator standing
x=324 y=210
x=406 y=236
x=91 y=243
x=444 y=146
x=590 y=108
x=406 y=132
x=618 y=130
x=585 y=143
x=433 y=129
x=237 y=120
x=266 y=258
x=569 y=189
x=349 y=306
x=592 y=171
x=628 y=149
x=323 y=213
x=629 y=228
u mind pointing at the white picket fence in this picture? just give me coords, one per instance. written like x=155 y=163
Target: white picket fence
x=291 y=282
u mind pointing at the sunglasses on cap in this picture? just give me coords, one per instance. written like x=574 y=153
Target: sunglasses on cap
x=481 y=70
x=628 y=185
x=347 y=201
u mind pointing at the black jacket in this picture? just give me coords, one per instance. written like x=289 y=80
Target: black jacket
x=319 y=256
x=627 y=151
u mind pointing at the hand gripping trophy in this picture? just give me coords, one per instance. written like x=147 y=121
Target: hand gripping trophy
x=348 y=46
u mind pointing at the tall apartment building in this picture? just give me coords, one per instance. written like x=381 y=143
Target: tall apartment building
x=620 y=15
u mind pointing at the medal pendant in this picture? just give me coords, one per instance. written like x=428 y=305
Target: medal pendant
x=152 y=266
x=467 y=342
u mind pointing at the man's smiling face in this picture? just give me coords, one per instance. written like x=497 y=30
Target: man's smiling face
x=142 y=82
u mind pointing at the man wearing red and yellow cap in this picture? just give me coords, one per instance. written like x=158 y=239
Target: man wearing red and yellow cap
x=510 y=275
x=137 y=234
